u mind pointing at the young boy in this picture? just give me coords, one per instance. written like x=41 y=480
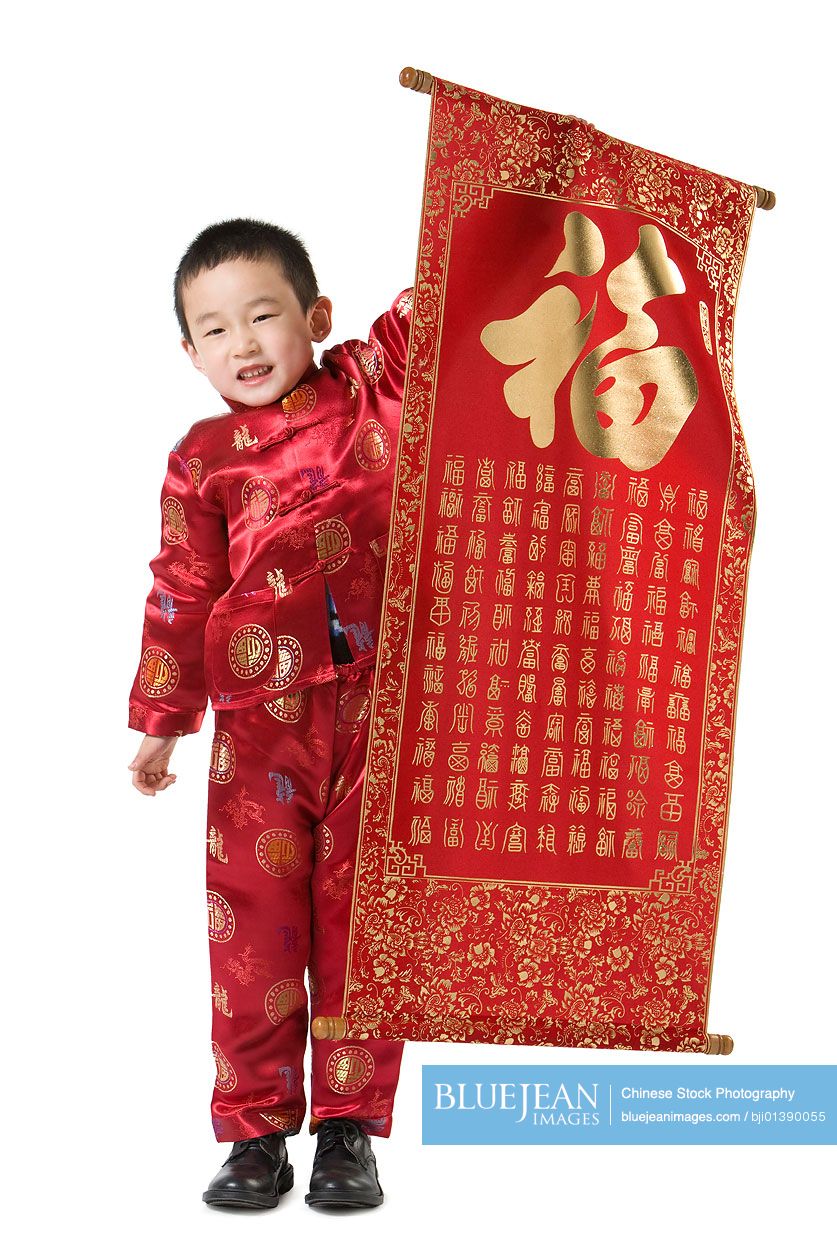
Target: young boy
x=267 y=597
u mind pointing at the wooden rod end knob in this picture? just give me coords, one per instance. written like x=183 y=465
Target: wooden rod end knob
x=765 y=199
x=718 y=1044
x=328 y=1028
x=418 y=80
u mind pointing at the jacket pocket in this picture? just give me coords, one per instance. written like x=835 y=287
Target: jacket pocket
x=241 y=642
x=261 y=644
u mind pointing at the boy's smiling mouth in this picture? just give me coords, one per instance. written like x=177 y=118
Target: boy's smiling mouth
x=250 y=374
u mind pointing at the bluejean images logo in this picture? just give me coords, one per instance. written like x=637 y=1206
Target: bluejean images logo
x=541 y=1102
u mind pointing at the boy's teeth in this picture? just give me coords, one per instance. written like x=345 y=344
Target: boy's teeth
x=251 y=374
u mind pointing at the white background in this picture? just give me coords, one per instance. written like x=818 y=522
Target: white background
x=128 y=130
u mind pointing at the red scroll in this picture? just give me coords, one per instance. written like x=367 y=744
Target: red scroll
x=549 y=776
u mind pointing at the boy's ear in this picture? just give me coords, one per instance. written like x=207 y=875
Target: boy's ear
x=320 y=319
x=193 y=354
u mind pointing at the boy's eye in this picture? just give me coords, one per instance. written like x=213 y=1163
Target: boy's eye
x=216 y=331
x=258 y=316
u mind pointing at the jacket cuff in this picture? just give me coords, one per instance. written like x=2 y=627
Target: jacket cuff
x=167 y=723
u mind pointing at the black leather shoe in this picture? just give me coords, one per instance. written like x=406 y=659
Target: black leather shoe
x=255 y=1174
x=344 y=1172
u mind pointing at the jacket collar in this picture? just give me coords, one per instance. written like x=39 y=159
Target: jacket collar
x=239 y=407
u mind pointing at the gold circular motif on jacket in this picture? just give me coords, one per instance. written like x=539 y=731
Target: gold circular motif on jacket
x=277 y=851
x=333 y=539
x=260 y=501
x=282 y=999
x=372 y=446
x=222 y=758
x=250 y=650
x=301 y=401
x=221 y=918
x=323 y=841
x=288 y=662
x=175 y=530
x=370 y=358
x=195 y=469
x=352 y=708
x=288 y=707
x=349 y=1069
x=159 y=672
x=225 y=1077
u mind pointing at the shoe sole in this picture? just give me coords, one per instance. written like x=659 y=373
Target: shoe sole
x=249 y=1198
x=341 y=1200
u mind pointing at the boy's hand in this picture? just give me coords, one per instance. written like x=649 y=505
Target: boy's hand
x=151 y=765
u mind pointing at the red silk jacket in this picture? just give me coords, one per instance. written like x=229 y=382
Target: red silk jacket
x=261 y=509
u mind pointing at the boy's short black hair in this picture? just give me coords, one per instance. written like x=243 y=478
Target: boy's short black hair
x=255 y=241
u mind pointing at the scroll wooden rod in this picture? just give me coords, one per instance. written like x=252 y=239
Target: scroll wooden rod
x=422 y=81
x=335 y=1028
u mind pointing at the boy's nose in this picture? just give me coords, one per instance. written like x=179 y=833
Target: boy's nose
x=245 y=344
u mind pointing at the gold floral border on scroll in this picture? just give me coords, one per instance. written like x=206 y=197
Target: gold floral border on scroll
x=594 y=967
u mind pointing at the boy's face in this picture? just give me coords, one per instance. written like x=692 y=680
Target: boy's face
x=251 y=338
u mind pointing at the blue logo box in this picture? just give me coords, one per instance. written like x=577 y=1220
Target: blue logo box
x=712 y=1104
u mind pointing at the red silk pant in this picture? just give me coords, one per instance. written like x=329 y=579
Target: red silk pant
x=285 y=788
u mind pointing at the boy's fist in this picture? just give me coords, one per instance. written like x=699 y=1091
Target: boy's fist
x=151 y=765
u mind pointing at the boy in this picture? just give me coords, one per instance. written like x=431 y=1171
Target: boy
x=267 y=597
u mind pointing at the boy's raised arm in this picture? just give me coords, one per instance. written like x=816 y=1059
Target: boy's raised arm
x=380 y=361
x=392 y=331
